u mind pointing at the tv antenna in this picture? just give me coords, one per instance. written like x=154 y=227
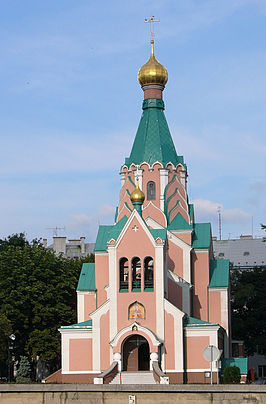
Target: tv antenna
x=219 y=222
x=56 y=229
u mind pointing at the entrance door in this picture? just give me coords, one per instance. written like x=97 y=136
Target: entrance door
x=136 y=354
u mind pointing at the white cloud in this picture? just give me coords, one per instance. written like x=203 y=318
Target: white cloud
x=48 y=153
x=106 y=210
x=81 y=219
x=208 y=210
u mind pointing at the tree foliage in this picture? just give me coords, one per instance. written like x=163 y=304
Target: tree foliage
x=5 y=331
x=24 y=370
x=38 y=295
x=231 y=374
x=248 y=308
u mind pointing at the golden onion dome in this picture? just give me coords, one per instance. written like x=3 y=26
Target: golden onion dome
x=152 y=72
x=137 y=195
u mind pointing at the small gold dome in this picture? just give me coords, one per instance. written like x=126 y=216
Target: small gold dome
x=137 y=195
x=152 y=72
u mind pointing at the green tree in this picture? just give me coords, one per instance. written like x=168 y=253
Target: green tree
x=248 y=308
x=5 y=331
x=231 y=374
x=24 y=370
x=38 y=295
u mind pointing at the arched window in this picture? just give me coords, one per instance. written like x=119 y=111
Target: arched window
x=148 y=273
x=123 y=274
x=151 y=191
x=136 y=273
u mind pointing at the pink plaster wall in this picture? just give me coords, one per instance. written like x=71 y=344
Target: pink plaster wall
x=200 y=265
x=125 y=197
x=156 y=214
x=105 y=347
x=147 y=299
x=175 y=258
x=186 y=237
x=89 y=305
x=176 y=197
x=176 y=184
x=175 y=294
x=169 y=341
x=214 y=307
x=80 y=354
x=101 y=277
x=147 y=176
x=136 y=244
x=194 y=352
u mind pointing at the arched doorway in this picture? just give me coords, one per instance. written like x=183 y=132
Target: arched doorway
x=136 y=353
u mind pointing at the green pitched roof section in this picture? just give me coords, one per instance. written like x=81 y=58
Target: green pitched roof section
x=102 y=238
x=116 y=213
x=84 y=324
x=242 y=363
x=117 y=228
x=105 y=233
x=195 y=322
x=153 y=141
x=158 y=233
x=87 y=277
x=219 y=273
x=179 y=223
x=191 y=211
x=201 y=236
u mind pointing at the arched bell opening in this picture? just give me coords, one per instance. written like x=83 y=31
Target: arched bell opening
x=136 y=274
x=123 y=274
x=148 y=273
x=135 y=354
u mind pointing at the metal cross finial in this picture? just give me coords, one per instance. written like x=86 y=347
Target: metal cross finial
x=151 y=21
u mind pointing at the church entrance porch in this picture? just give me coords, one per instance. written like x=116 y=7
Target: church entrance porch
x=135 y=354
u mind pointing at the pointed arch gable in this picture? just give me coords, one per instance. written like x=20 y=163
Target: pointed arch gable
x=125 y=211
x=135 y=328
x=153 y=224
x=151 y=210
x=134 y=215
x=178 y=208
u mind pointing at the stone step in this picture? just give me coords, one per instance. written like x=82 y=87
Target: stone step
x=133 y=378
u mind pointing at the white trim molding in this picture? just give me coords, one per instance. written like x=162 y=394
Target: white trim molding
x=154 y=339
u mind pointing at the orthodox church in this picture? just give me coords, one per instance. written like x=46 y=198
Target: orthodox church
x=155 y=297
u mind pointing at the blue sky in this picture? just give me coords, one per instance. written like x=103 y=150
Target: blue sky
x=71 y=104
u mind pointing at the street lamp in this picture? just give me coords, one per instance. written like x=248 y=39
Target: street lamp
x=11 y=340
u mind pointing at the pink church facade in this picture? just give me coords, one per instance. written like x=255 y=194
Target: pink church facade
x=155 y=297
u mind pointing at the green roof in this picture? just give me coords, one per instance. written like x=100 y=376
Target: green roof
x=158 y=233
x=179 y=223
x=191 y=211
x=201 y=235
x=117 y=228
x=105 y=233
x=242 y=363
x=87 y=277
x=84 y=324
x=153 y=141
x=196 y=322
x=219 y=273
x=102 y=238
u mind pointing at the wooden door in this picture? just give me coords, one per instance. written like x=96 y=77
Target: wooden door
x=131 y=355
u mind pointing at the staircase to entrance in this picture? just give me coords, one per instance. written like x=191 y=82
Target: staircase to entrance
x=134 y=378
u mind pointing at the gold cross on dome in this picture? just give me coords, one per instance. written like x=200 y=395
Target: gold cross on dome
x=151 y=20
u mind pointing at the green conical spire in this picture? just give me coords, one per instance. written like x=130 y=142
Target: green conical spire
x=153 y=141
